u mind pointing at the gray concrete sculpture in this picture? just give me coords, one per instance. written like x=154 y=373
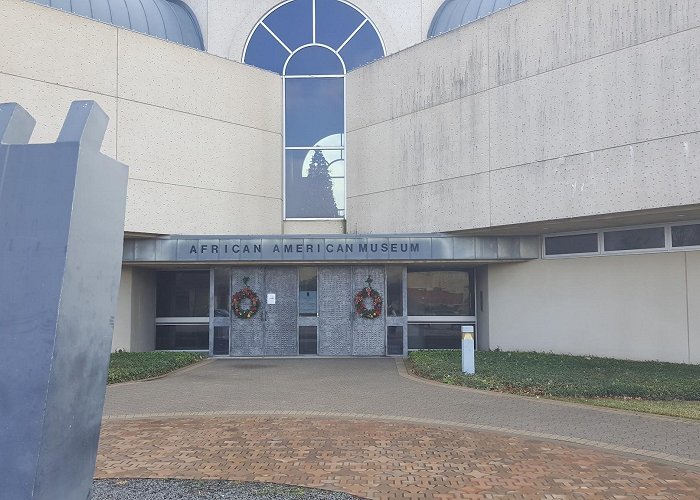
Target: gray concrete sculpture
x=61 y=228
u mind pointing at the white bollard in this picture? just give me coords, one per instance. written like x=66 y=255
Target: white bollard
x=468 y=350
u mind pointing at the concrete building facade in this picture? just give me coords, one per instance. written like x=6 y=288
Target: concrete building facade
x=552 y=146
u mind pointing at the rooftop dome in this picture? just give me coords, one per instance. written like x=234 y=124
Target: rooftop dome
x=455 y=13
x=167 y=19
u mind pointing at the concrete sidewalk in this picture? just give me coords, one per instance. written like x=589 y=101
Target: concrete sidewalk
x=379 y=388
x=366 y=427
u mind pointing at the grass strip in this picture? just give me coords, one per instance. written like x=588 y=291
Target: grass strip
x=683 y=409
x=561 y=376
x=129 y=366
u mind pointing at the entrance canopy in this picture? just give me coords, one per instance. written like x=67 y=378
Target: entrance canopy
x=331 y=248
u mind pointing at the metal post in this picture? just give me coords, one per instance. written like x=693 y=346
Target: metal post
x=468 y=349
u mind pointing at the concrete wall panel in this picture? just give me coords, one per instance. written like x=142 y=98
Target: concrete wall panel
x=76 y=52
x=599 y=116
x=135 y=323
x=631 y=306
x=143 y=310
x=420 y=77
x=442 y=142
x=187 y=80
x=181 y=118
x=162 y=145
x=632 y=95
x=314 y=227
x=529 y=39
x=228 y=30
x=643 y=176
x=424 y=206
x=49 y=103
x=482 y=307
x=693 y=285
x=121 y=339
x=159 y=207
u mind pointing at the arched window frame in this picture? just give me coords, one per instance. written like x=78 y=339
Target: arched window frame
x=291 y=53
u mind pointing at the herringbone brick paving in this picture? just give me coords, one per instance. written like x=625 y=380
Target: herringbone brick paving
x=381 y=460
x=377 y=387
x=365 y=427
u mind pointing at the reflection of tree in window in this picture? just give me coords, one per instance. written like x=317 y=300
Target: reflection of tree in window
x=319 y=188
x=312 y=44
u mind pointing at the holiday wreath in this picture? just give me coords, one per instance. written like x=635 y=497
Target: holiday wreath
x=240 y=296
x=368 y=293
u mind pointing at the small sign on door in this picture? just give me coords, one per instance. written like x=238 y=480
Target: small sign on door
x=271 y=298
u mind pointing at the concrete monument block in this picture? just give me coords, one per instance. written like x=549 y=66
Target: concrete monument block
x=61 y=227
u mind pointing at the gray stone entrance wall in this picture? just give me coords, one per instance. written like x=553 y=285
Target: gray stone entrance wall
x=336 y=313
x=368 y=334
x=247 y=334
x=281 y=336
x=274 y=330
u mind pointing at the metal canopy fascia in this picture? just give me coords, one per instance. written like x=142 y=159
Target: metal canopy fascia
x=330 y=248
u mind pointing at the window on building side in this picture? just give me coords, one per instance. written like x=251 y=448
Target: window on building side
x=634 y=239
x=440 y=293
x=182 y=310
x=434 y=336
x=571 y=244
x=313 y=44
x=182 y=294
x=394 y=291
x=685 y=236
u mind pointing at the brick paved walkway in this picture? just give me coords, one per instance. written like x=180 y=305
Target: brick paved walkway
x=382 y=460
x=364 y=426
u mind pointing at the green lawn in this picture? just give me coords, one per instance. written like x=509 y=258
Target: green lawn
x=685 y=409
x=127 y=366
x=665 y=388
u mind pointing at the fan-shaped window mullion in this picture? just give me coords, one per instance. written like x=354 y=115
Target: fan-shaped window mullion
x=314 y=69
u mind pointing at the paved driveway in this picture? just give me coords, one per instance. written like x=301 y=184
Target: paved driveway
x=380 y=389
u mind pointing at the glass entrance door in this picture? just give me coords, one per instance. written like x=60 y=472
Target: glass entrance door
x=220 y=311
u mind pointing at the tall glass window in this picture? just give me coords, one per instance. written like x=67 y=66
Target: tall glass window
x=308 y=291
x=182 y=294
x=313 y=44
x=394 y=291
x=182 y=310
x=222 y=291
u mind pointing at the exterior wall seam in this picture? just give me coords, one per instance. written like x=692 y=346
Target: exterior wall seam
x=488 y=108
x=422 y=109
x=592 y=151
x=687 y=303
x=426 y=183
x=81 y=89
x=116 y=118
x=213 y=118
x=118 y=97
x=571 y=155
x=203 y=188
x=504 y=84
x=598 y=56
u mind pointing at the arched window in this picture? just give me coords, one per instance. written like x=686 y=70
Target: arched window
x=313 y=44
